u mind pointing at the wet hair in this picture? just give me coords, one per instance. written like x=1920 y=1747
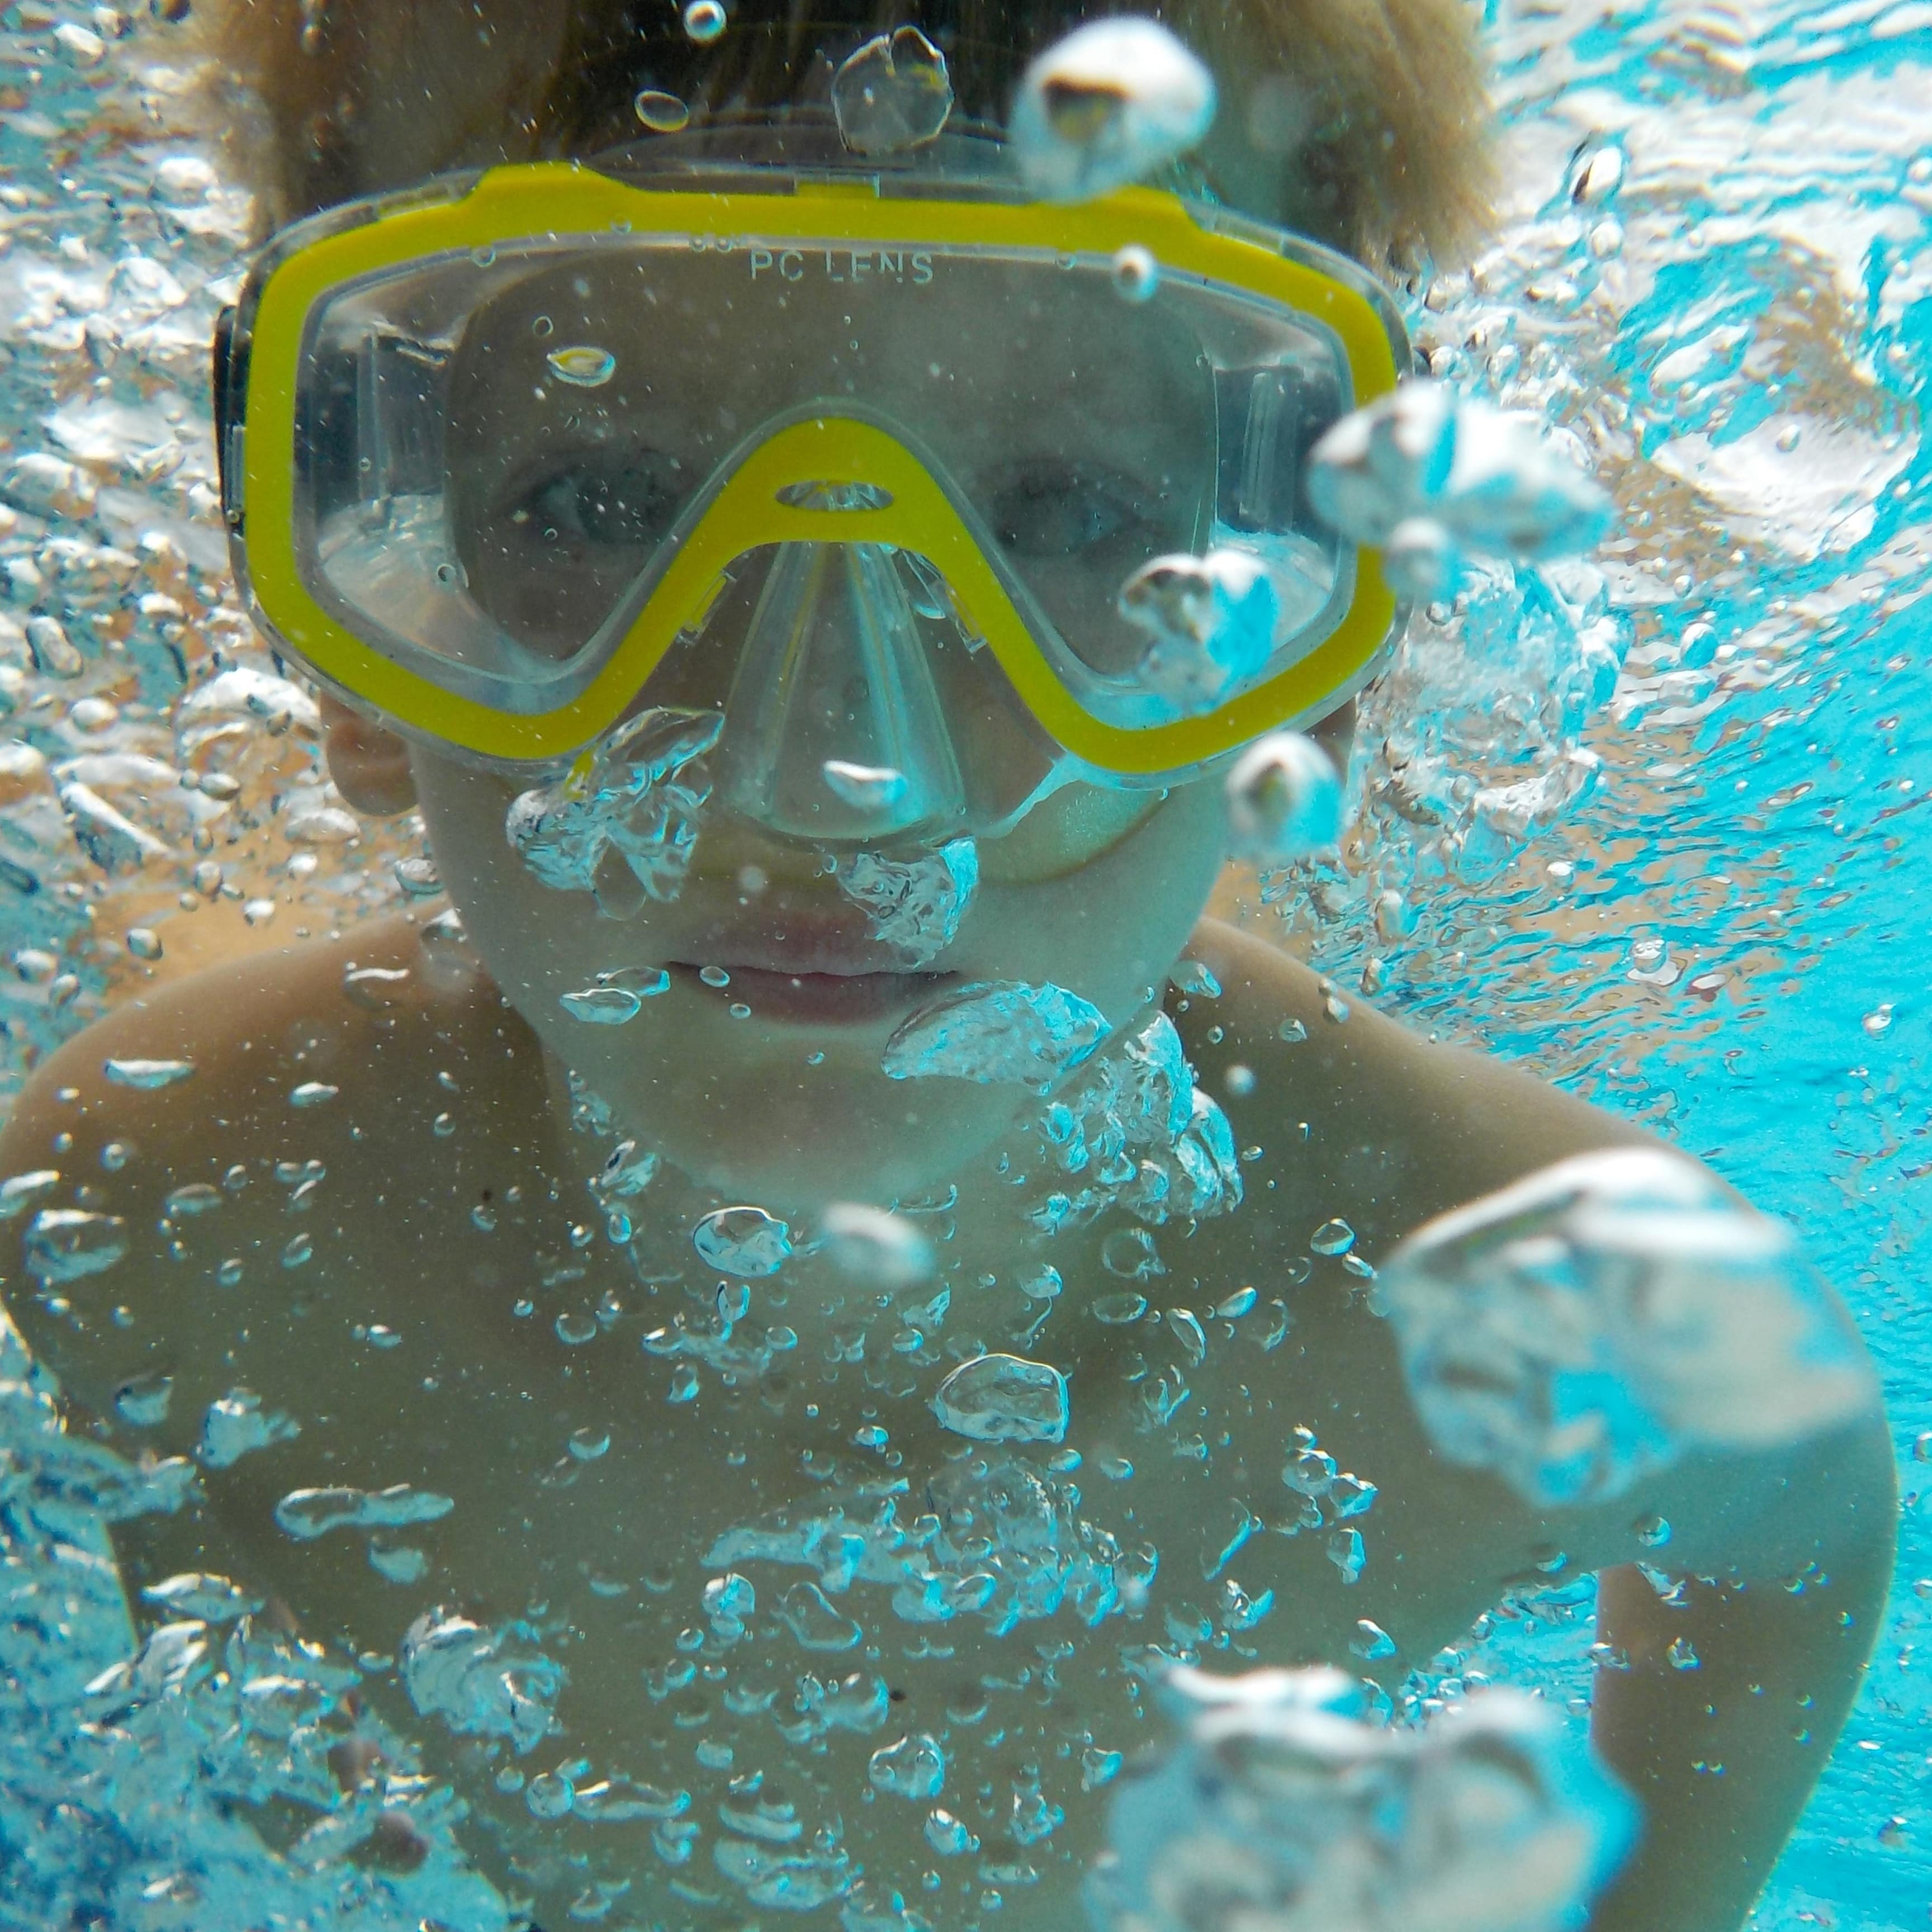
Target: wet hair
x=1363 y=123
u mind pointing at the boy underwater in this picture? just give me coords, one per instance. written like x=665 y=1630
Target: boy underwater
x=504 y=1187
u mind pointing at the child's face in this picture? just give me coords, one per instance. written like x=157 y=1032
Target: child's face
x=1094 y=890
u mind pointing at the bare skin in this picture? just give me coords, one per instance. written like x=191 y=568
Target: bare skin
x=607 y=1557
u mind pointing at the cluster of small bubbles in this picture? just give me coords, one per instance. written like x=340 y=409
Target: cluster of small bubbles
x=1212 y=622
x=622 y=824
x=1330 y=1498
x=913 y=905
x=475 y=1682
x=995 y=1032
x=1135 y=1131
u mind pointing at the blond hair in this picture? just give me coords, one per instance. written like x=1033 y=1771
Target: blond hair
x=1364 y=123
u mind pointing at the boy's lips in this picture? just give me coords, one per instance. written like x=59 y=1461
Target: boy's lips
x=830 y=998
x=818 y=965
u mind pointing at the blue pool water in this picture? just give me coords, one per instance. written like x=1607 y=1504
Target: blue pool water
x=1703 y=903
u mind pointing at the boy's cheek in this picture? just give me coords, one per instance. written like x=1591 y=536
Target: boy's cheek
x=1112 y=926
x=1065 y=833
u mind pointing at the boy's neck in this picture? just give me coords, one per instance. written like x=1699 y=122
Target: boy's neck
x=984 y=1246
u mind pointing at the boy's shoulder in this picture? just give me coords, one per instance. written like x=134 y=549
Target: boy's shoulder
x=195 y=1113
x=234 y=1060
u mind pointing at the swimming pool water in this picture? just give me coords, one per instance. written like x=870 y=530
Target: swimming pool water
x=1661 y=832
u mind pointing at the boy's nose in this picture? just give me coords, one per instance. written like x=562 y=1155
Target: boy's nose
x=835 y=730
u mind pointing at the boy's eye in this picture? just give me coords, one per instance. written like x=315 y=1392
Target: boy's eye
x=1058 y=509
x=614 y=500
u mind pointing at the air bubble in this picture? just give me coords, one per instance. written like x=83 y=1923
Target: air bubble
x=601 y=1005
x=704 y=20
x=948 y=1837
x=306 y=1514
x=575 y=1327
x=20 y=1192
x=236 y=1425
x=1583 y=1327
x=662 y=113
x=65 y=1244
x=743 y=1241
x=1488 y=478
x=914 y=1767
x=1130 y=1253
x=1332 y=1238
x=147 y=1074
x=1111 y=103
x=1211 y=620
x=996 y=1031
x=143 y=1401
x=1136 y=275
x=868 y=788
x=1003 y=1399
x=879 y=1249
x=1284 y=803
x=892 y=94
x=418 y=878
x=584 y=366
x=806 y=1612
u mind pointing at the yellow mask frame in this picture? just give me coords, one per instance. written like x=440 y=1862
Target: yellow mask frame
x=506 y=204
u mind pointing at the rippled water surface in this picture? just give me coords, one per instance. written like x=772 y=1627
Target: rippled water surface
x=1660 y=832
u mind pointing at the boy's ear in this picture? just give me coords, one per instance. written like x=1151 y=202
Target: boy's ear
x=370 y=766
x=1336 y=735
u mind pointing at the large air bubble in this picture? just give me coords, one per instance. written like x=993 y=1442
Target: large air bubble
x=1595 y=1322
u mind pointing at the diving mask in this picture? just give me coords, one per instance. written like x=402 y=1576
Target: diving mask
x=860 y=453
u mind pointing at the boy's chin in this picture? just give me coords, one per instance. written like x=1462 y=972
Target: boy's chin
x=913 y=1139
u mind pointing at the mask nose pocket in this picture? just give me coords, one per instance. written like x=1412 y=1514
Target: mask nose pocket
x=835 y=727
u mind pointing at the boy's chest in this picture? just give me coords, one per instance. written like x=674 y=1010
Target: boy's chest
x=752 y=1570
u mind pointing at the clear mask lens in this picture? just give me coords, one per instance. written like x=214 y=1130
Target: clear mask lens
x=500 y=454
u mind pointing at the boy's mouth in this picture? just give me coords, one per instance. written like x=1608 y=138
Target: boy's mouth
x=812 y=966
x=835 y=998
